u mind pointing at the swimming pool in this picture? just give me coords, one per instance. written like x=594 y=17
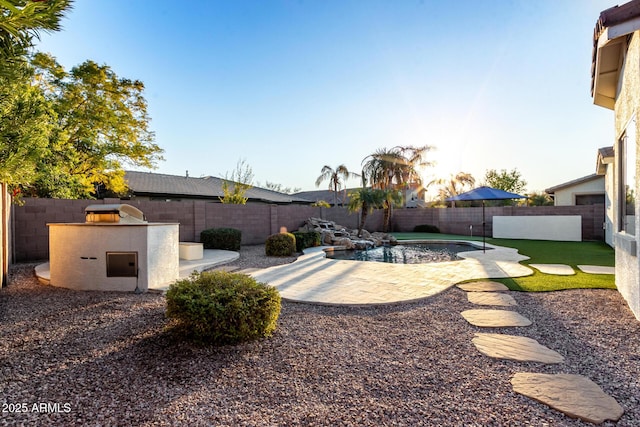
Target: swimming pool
x=408 y=253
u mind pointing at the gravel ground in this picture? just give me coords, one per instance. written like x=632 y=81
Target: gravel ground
x=92 y=358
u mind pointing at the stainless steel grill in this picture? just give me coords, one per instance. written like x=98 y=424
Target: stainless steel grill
x=116 y=213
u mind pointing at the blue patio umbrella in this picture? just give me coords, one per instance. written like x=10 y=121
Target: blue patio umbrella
x=485 y=193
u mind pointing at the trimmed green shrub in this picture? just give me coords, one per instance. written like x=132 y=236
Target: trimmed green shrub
x=221 y=238
x=426 y=228
x=281 y=244
x=218 y=307
x=307 y=239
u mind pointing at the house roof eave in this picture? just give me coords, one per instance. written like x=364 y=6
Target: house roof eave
x=609 y=48
x=552 y=190
x=606 y=156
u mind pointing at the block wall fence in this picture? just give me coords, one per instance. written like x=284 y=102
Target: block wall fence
x=258 y=221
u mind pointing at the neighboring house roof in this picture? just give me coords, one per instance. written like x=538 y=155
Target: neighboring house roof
x=608 y=47
x=605 y=156
x=582 y=180
x=326 y=195
x=208 y=187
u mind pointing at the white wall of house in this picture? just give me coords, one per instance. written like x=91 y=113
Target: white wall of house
x=627 y=106
x=567 y=196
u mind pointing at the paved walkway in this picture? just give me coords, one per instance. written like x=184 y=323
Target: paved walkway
x=314 y=278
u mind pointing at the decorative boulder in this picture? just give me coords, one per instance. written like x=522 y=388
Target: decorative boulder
x=334 y=234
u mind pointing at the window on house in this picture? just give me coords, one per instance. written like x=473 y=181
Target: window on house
x=626 y=191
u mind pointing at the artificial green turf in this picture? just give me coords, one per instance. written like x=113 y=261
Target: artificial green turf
x=546 y=252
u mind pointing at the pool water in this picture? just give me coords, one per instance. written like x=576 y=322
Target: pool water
x=415 y=253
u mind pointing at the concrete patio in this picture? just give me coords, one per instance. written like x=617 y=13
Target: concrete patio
x=316 y=279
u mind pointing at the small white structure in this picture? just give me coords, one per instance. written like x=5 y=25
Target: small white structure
x=191 y=251
x=539 y=227
x=588 y=190
x=115 y=250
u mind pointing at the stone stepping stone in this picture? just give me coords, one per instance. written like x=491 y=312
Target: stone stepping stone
x=574 y=395
x=491 y=298
x=597 y=269
x=514 y=347
x=557 y=269
x=495 y=318
x=483 y=287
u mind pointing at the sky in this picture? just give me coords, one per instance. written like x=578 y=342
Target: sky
x=291 y=86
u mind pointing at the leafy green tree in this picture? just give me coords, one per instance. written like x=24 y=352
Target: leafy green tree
x=320 y=204
x=26 y=119
x=539 y=199
x=235 y=186
x=26 y=116
x=336 y=178
x=101 y=124
x=510 y=181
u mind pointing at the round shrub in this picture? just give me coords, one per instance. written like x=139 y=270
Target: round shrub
x=281 y=244
x=307 y=239
x=223 y=308
x=221 y=238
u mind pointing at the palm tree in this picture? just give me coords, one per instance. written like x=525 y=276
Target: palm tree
x=20 y=22
x=383 y=168
x=395 y=169
x=414 y=158
x=336 y=179
x=453 y=185
x=390 y=198
x=365 y=200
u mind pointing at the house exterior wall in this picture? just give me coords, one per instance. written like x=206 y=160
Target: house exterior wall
x=257 y=222
x=627 y=105
x=609 y=185
x=567 y=196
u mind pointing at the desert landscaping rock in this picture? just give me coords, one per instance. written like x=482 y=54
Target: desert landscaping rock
x=333 y=234
x=484 y=286
x=495 y=318
x=575 y=395
x=597 y=269
x=110 y=356
x=515 y=347
x=491 y=298
x=557 y=269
